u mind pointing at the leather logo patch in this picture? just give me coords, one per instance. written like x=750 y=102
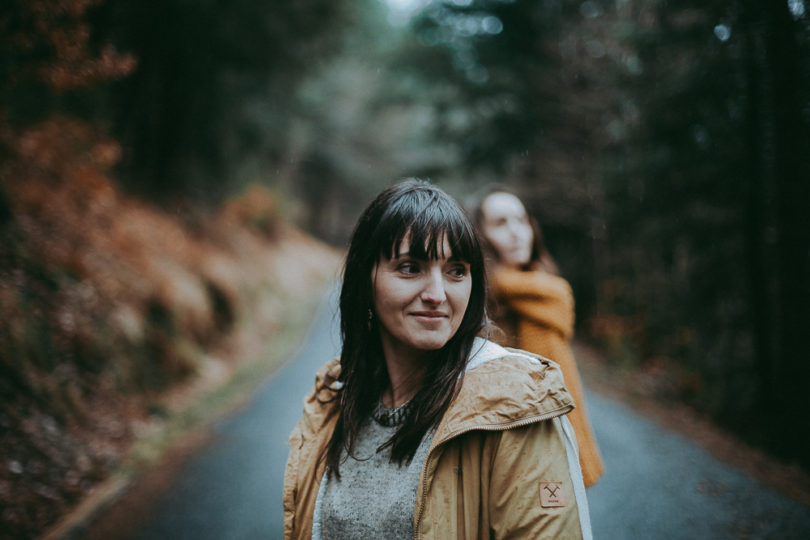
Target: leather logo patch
x=552 y=494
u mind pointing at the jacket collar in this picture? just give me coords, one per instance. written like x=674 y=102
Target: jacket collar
x=484 y=351
x=504 y=388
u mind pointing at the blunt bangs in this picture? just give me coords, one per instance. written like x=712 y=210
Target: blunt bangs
x=427 y=219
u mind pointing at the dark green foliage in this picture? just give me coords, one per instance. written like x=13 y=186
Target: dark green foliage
x=499 y=59
x=707 y=172
x=665 y=147
x=200 y=86
x=214 y=84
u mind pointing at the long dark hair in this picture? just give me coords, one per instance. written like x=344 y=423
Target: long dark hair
x=540 y=258
x=428 y=216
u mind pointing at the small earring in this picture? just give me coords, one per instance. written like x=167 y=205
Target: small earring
x=370 y=318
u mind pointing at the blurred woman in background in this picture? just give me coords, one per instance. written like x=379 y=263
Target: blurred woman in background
x=531 y=304
x=421 y=429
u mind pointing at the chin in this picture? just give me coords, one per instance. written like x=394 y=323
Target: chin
x=431 y=344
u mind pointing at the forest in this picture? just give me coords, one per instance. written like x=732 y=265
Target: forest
x=664 y=146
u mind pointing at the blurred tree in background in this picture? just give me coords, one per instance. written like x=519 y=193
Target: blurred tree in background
x=112 y=307
x=665 y=147
x=211 y=100
x=702 y=233
x=50 y=59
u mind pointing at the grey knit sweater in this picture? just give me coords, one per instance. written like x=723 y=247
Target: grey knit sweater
x=374 y=497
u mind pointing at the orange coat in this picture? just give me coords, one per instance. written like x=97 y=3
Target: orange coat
x=536 y=313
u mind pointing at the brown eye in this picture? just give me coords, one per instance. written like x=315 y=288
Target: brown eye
x=408 y=267
x=458 y=270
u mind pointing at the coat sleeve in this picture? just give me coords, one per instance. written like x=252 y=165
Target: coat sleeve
x=535 y=489
x=304 y=467
x=290 y=482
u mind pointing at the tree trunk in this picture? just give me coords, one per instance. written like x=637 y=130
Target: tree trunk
x=792 y=206
x=761 y=308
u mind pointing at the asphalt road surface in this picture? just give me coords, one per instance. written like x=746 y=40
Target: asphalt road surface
x=657 y=484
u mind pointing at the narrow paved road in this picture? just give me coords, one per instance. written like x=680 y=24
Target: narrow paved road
x=657 y=484
x=232 y=489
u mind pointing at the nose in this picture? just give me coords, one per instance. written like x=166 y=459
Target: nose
x=434 y=292
x=514 y=228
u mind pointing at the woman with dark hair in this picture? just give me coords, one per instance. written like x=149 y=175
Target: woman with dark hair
x=531 y=304
x=421 y=429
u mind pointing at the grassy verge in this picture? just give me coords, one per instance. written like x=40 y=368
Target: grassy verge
x=190 y=422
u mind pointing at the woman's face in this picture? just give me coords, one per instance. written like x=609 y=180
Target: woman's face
x=419 y=303
x=506 y=226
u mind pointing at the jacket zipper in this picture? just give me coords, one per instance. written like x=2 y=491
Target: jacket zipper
x=483 y=427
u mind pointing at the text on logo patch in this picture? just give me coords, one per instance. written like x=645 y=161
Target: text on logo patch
x=552 y=494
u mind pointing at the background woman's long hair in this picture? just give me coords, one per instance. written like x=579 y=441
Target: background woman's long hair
x=427 y=215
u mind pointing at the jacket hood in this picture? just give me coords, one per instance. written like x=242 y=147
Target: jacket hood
x=504 y=388
x=320 y=405
x=501 y=388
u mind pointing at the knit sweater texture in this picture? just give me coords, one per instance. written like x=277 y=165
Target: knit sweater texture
x=374 y=497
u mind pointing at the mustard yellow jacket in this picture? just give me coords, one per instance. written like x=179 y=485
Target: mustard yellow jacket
x=502 y=463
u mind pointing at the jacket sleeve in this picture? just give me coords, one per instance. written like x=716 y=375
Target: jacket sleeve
x=290 y=482
x=304 y=468
x=534 y=485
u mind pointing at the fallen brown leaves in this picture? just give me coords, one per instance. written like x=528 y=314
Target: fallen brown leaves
x=109 y=305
